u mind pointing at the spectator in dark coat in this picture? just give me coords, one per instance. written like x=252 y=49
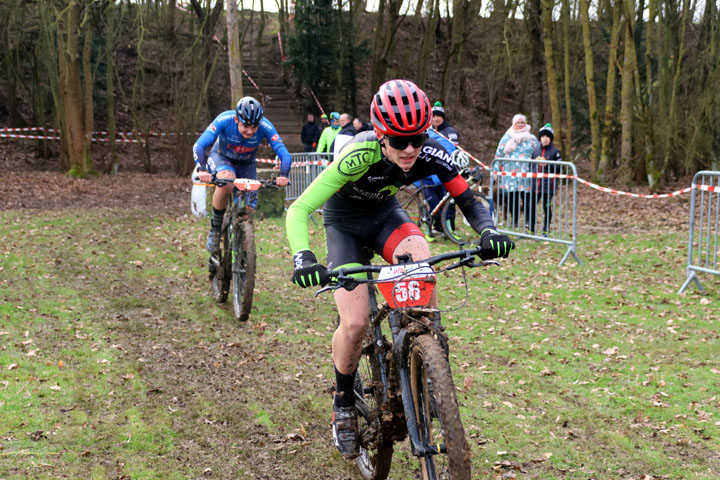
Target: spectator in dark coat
x=440 y=125
x=361 y=126
x=543 y=189
x=310 y=134
x=347 y=131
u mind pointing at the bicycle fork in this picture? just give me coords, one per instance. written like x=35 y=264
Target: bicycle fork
x=400 y=350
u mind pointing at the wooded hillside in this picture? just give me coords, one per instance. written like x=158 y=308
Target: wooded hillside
x=631 y=87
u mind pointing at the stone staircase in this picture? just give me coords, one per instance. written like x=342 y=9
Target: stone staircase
x=279 y=100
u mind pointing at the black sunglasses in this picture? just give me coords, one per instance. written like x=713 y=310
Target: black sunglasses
x=401 y=143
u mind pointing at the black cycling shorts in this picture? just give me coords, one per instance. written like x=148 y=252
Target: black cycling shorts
x=349 y=230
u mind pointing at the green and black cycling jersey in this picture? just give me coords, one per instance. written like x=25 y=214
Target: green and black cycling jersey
x=363 y=180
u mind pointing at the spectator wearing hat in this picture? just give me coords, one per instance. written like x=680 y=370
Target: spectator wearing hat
x=518 y=143
x=543 y=189
x=310 y=134
x=324 y=122
x=328 y=134
x=440 y=124
x=434 y=191
x=347 y=131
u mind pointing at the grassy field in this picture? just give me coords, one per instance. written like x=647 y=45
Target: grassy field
x=115 y=363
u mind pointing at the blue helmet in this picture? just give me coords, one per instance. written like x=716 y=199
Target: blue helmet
x=249 y=111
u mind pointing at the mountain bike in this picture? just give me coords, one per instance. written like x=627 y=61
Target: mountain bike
x=404 y=387
x=234 y=264
x=455 y=227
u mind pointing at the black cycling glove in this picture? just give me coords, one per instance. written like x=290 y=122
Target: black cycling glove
x=307 y=272
x=494 y=244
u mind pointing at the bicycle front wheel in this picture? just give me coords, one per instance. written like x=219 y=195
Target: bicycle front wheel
x=243 y=270
x=436 y=412
x=458 y=228
x=220 y=270
x=375 y=450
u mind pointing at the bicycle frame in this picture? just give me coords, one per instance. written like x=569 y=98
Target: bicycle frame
x=399 y=321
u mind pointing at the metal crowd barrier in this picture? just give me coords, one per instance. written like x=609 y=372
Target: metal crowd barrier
x=703 y=230
x=305 y=167
x=536 y=199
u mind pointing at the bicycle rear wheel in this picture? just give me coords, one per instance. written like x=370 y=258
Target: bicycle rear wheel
x=375 y=451
x=220 y=269
x=412 y=201
x=458 y=229
x=436 y=412
x=243 y=269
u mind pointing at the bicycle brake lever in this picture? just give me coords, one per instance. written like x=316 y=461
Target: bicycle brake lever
x=484 y=263
x=325 y=289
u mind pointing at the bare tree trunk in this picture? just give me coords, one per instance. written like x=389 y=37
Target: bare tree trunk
x=234 y=55
x=384 y=40
x=592 y=96
x=606 y=163
x=259 y=44
x=551 y=75
x=111 y=23
x=672 y=119
x=415 y=36
x=428 y=41
x=76 y=147
x=626 y=106
x=533 y=16
x=565 y=21
x=464 y=13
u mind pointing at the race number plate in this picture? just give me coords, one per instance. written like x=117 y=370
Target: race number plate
x=408 y=285
x=246 y=184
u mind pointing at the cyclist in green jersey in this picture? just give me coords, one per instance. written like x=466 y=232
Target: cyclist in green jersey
x=360 y=211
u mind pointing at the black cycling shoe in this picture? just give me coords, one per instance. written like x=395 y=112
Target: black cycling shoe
x=213 y=241
x=345 y=431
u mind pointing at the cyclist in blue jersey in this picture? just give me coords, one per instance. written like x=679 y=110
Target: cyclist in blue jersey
x=434 y=190
x=235 y=137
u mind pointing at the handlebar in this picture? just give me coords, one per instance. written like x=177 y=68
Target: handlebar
x=340 y=277
x=221 y=182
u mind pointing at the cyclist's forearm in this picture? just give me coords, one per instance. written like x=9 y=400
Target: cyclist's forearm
x=285 y=160
x=475 y=212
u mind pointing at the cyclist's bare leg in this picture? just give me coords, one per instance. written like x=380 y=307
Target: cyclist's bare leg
x=354 y=319
x=222 y=195
x=353 y=309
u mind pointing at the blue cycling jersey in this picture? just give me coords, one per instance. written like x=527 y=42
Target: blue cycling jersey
x=449 y=146
x=241 y=151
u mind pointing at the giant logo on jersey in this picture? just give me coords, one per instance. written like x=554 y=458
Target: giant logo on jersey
x=356 y=161
x=440 y=156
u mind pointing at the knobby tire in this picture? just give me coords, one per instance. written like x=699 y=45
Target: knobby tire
x=221 y=278
x=375 y=452
x=436 y=410
x=243 y=269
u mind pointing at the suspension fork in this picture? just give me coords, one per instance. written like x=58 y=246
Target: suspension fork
x=400 y=350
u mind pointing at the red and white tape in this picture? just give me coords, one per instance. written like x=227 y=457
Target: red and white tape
x=707 y=188
x=634 y=195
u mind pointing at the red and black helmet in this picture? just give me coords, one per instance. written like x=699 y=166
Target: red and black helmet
x=400 y=108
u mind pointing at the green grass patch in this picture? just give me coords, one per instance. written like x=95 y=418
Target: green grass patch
x=115 y=361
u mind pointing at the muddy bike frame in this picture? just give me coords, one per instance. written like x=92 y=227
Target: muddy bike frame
x=236 y=262
x=405 y=324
